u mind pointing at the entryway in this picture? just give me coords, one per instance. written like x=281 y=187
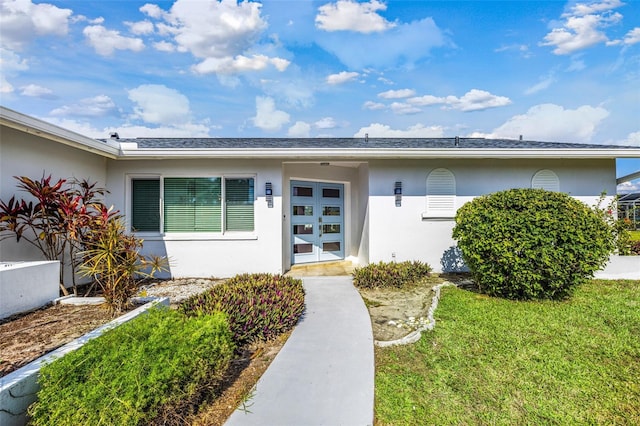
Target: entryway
x=317 y=221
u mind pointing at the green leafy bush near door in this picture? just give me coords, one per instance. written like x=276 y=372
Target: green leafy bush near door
x=390 y=274
x=155 y=365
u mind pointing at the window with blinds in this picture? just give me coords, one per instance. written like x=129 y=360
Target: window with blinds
x=441 y=194
x=145 y=205
x=239 y=204
x=192 y=204
x=546 y=179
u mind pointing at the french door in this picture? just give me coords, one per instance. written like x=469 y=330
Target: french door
x=317 y=221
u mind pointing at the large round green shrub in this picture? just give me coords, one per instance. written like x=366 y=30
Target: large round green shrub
x=531 y=243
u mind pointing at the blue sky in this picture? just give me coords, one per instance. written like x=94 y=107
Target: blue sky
x=547 y=70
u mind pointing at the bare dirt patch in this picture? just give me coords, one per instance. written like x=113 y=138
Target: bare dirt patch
x=397 y=312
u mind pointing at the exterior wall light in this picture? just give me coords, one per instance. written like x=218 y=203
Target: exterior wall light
x=268 y=192
x=397 y=191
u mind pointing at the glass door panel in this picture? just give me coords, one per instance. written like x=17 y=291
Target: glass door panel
x=317 y=232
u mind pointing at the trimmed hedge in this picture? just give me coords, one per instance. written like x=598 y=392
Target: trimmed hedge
x=259 y=307
x=532 y=243
x=133 y=373
x=390 y=274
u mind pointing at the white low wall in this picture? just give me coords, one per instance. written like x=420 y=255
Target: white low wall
x=27 y=285
x=19 y=389
x=621 y=267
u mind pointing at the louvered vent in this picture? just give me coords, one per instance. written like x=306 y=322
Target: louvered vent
x=546 y=179
x=441 y=193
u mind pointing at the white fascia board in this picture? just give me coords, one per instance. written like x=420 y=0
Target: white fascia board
x=31 y=125
x=380 y=153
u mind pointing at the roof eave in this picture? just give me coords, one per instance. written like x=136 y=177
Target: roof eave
x=377 y=153
x=27 y=124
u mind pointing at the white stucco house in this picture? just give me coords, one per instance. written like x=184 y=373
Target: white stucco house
x=221 y=206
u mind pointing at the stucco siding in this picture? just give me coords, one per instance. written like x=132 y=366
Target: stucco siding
x=204 y=254
x=402 y=233
x=25 y=154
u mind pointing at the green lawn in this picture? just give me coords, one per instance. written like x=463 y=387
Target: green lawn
x=493 y=361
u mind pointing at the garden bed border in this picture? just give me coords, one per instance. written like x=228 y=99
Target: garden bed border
x=19 y=389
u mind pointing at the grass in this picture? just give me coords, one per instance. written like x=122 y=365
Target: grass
x=493 y=361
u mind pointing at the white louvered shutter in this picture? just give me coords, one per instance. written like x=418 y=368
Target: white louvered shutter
x=546 y=179
x=441 y=193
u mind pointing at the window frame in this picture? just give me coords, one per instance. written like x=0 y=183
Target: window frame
x=160 y=234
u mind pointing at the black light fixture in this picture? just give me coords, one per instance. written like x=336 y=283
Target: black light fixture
x=268 y=192
x=397 y=191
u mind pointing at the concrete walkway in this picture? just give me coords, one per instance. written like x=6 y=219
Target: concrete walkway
x=324 y=373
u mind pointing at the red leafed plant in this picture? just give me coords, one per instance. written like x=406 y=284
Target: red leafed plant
x=67 y=221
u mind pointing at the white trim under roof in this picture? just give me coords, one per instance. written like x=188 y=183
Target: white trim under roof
x=27 y=124
x=373 y=153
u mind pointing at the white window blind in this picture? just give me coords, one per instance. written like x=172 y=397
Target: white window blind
x=192 y=205
x=546 y=179
x=239 y=195
x=441 y=193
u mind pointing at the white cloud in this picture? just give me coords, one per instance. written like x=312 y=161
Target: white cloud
x=632 y=139
x=82 y=18
x=223 y=34
x=33 y=90
x=426 y=100
x=97 y=106
x=267 y=116
x=550 y=122
x=403 y=45
x=5 y=86
x=164 y=46
x=185 y=130
x=181 y=130
x=397 y=94
x=632 y=37
x=240 y=63
x=21 y=21
x=581 y=9
x=158 y=104
x=105 y=41
x=342 y=77
x=543 y=84
x=629 y=187
x=582 y=27
x=140 y=27
x=473 y=100
x=347 y=15
x=576 y=64
x=522 y=49
x=10 y=64
x=326 y=123
x=404 y=108
x=378 y=130
x=299 y=130
x=373 y=106
x=476 y=100
x=152 y=11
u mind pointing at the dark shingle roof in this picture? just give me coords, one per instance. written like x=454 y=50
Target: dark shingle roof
x=353 y=143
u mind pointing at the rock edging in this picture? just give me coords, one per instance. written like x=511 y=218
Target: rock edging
x=430 y=324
